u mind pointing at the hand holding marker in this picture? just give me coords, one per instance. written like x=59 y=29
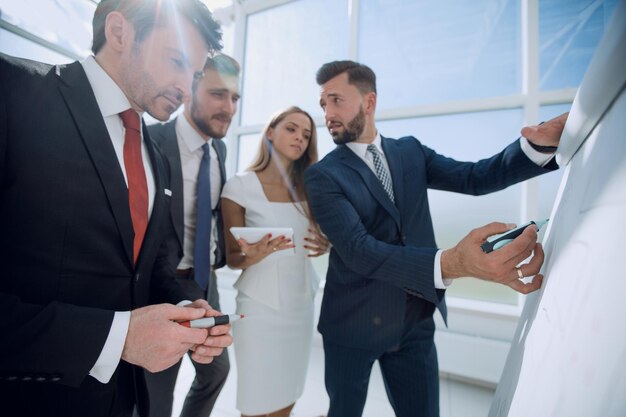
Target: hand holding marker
x=206 y=322
x=497 y=241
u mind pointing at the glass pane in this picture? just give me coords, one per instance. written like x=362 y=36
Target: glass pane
x=569 y=32
x=467 y=137
x=325 y=143
x=432 y=51
x=247 y=150
x=15 y=45
x=65 y=23
x=285 y=46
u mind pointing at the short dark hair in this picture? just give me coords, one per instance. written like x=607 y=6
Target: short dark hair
x=223 y=64
x=220 y=63
x=146 y=14
x=359 y=75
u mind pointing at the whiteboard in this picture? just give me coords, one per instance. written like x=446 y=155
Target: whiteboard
x=568 y=355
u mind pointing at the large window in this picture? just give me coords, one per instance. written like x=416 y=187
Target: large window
x=569 y=32
x=63 y=26
x=433 y=51
x=284 y=47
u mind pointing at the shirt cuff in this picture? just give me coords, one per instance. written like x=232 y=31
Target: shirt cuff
x=440 y=283
x=112 y=351
x=537 y=157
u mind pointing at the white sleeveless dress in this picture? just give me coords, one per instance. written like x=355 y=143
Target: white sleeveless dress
x=272 y=343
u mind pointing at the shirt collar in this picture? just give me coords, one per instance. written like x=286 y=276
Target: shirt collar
x=361 y=148
x=109 y=95
x=190 y=136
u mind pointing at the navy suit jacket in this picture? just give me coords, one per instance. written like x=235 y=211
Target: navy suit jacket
x=66 y=241
x=381 y=250
x=165 y=136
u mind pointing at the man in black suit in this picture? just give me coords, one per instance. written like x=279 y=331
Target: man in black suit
x=84 y=206
x=386 y=276
x=205 y=120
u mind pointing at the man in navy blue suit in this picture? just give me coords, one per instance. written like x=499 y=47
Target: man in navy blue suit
x=386 y=275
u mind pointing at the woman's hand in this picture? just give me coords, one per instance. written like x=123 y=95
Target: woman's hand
x=256 y=252
x=317 y=244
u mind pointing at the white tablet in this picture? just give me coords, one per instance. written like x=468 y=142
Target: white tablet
x=254 y=234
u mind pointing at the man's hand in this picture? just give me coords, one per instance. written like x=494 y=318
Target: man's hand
x=218 y=338
x=155 y=341
x=467 y=259
x=548 y=133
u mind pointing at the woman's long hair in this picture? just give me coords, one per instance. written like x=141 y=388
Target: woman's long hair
x=295 y=174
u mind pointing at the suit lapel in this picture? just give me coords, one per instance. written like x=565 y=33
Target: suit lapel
x=169 y=144
x=220 y=253
x=82 y=104
x=370 y=180
x=394 y=161
x=159 y=193
x=220 y=149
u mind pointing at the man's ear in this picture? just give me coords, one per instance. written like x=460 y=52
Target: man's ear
x=118 y=31
x=370 y=103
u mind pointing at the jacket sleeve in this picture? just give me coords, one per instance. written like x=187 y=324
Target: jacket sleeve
x=364 y=256
x=53 y=343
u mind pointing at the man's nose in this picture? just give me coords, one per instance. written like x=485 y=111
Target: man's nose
x=231 y=106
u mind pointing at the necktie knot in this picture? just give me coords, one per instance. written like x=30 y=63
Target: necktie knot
x=206 y=149
x=130 y=119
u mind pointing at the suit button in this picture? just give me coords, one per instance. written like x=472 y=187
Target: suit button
x=55 y=379
x=27 y=378
x=11 y=378
x=40 y=379
x=137 y=276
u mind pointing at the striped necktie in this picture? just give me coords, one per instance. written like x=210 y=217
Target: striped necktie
x=381 y=171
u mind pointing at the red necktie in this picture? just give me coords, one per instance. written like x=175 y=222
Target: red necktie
x=136 y=176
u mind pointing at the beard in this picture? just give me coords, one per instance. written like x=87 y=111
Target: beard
x=142 y=90
x=353 y=130
x=204 y=123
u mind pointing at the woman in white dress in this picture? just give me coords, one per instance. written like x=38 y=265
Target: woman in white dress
x=276 y=288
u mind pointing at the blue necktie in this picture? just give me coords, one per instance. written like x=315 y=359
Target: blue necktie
x=204 y=213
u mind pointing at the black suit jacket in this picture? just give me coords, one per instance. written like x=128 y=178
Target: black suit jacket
x=165 y=136
x=381 y=249
x=66 y=242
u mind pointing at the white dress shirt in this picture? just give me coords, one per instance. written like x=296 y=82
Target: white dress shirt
x=190 y=146
x=112 y=101
x=360 y=149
